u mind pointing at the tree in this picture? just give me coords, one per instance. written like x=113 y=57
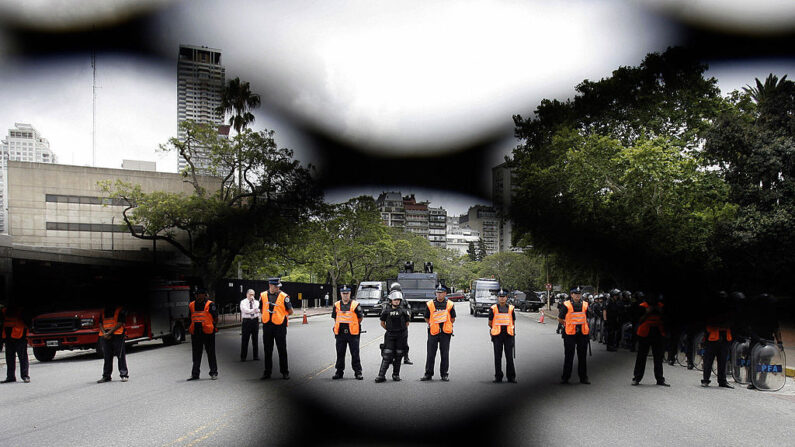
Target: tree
x=613 y=182
x=514 y=271
x=471 y=252
x=238 y=99
x=481 y=253
x=215 y=222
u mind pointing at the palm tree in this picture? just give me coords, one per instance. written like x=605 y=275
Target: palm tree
x=238 y=100
x=765 y=91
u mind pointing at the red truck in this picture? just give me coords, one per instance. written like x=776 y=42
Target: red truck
x=166 y=318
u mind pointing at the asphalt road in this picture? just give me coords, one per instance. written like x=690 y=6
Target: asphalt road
x=64 y=406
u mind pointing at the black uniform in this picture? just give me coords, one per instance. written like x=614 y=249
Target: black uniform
x=612 y=324
x=503 y=342
x=578 y=341
x=394 y=347
x=201 y=341
x=275 y=333
x=114 y=347
x=344 y=339
x=17 y=348
x=717 y=348
x=440 y=341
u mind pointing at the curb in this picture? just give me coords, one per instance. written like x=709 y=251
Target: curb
x=790 y=371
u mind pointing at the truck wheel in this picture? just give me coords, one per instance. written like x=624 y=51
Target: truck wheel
x=44 y=354
x=177 y=336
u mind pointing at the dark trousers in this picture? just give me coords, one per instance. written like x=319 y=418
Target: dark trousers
x=114 y=347
x=719 y=348
x=348 y=341
x=612 y=333
x=503 y=343
x=440 y=341
x=16 y=348
x=250 y=328
x=656 y=343
x=201 y=341
x=570 y=343
x=275 y=333
x=405 y=344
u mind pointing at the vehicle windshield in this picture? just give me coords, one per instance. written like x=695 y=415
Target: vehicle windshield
x=368 y=294
x=417 y=284
x=486 y=295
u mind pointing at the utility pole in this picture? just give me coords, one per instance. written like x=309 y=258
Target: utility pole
x=94 y=108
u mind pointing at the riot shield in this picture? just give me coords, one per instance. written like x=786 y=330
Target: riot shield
x=681 y=351
x=768 y=365
x=741 y=359
x=699 y=345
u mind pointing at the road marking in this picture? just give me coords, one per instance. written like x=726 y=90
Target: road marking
x=183 y=438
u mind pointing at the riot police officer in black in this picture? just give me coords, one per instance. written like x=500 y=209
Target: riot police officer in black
x=610 y=313
x=395 y=319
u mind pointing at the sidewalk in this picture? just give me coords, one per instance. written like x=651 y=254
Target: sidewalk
x=233 y=320
x=787 y=336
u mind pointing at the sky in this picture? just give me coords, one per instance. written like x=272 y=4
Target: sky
x=391 y=78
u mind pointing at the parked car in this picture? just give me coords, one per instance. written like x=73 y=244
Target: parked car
x=456 y=296
x=527 y=301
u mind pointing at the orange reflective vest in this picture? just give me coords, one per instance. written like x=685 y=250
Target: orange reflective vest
x=714 y=333
x=502 y=320
x=652 y=320
x=347 y=316
x=203 y=316
x=15 y=323
x=279 y=310
x=573 y=319
x=440 y=317
x=110 y=323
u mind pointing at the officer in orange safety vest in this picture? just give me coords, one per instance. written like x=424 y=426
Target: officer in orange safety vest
x=111 y=338
x=347 y=316
x=575 y=335
x=203 y=326
x=502 y=321
x=718 y=339
x=440 y=316
x=15 y=323
x=276 y=308
x=650 y=334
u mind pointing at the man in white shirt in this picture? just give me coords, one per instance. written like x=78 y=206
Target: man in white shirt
x=250 y=313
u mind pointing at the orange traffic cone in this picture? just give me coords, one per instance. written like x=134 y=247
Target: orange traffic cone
x=305 y=322
x=541 y=320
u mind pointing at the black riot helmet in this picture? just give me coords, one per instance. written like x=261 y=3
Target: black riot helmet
x=639 y=295
x=615 y=292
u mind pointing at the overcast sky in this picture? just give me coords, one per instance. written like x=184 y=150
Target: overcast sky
x=386 y=77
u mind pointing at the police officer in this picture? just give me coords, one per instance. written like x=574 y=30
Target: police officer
x=395 y=319
x=719 y=336
x=347 y=316
x=203 y=326
x=625 y=316
x=15 y=336
x=276 y=308
x=611 y=316
x=440 y=316
x=650 y=332
x=575 y=336
x=502 y=321
x=111 y=337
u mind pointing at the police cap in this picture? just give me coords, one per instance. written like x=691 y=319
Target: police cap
x=345 y=289
x=502 y=292
x=275 y=281
x=441 y=288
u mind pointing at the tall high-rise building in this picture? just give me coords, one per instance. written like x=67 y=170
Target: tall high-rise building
x=23 y=143
x=200 y=84
x=503 y=185
x=437 y=226
x=390 y=204
x=483 y=219
x=417 y=218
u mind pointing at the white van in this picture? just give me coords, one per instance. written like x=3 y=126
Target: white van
x=370 y=295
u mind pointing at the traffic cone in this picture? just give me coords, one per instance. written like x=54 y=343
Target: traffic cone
x=541 y=319
x=305 y=322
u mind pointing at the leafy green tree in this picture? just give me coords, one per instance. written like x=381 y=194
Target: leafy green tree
x=753 y=144
x=472 y=252
x=513 y=270
x=481 y=250
x=214 y=223
x=613 y=182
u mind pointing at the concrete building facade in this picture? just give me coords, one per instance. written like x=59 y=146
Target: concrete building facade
x=437 y=226
x=502 y=191
x=416 y=216
x=483 y=219
x=390 y=204
x=23 y=143
x=200 y=84
x=406 y=213
x=60 y=206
